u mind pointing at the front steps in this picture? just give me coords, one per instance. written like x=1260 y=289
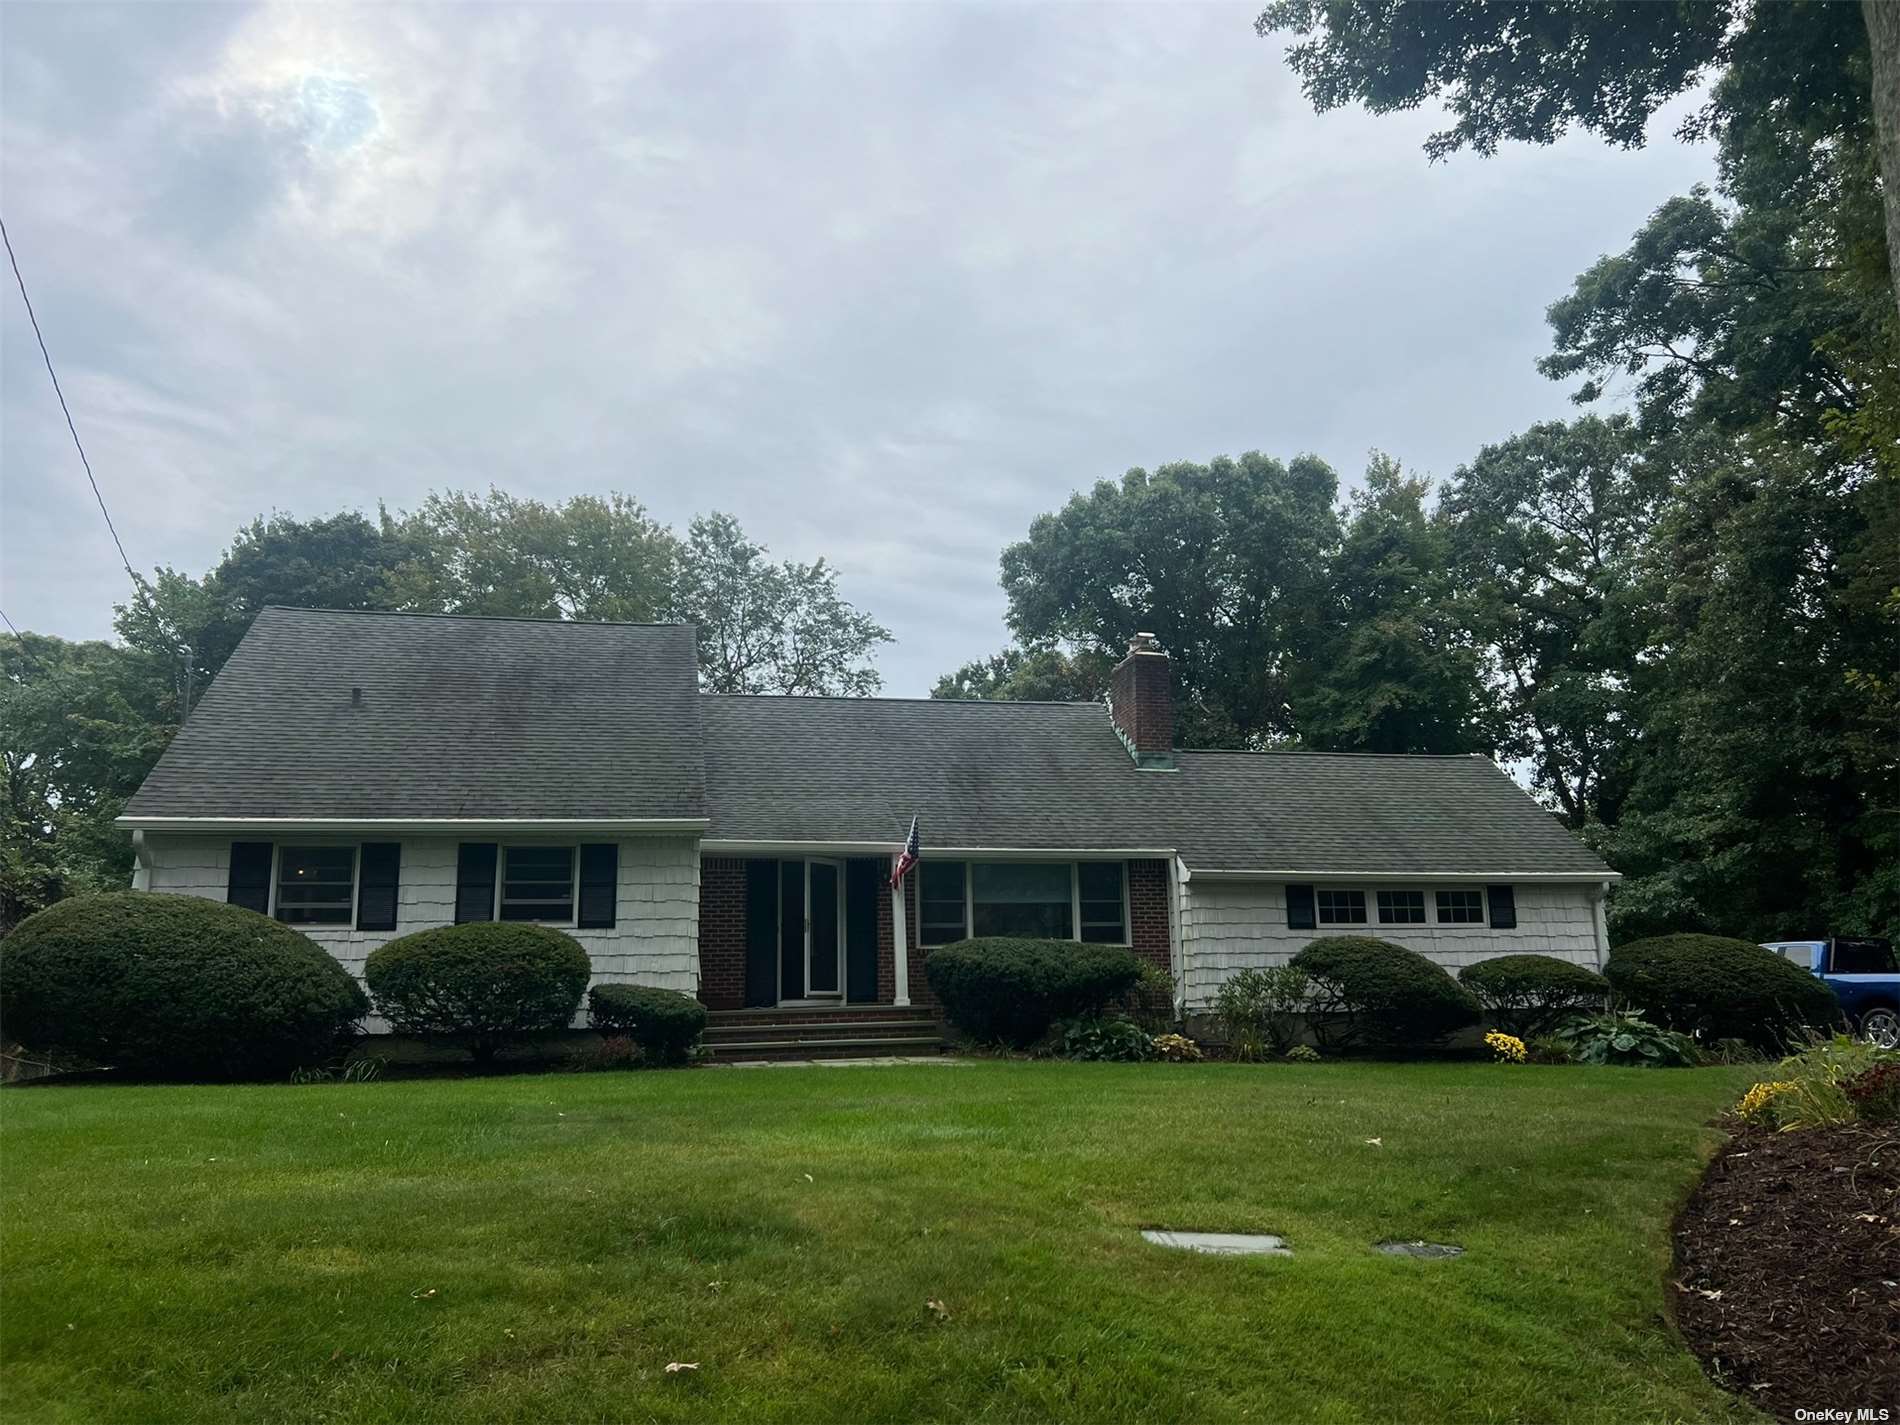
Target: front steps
x=871 y=1031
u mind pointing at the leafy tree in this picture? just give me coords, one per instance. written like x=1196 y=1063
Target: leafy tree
x=769 y=627
x=1808 y=74
x=1397 y=671
x=341 y=562
x=591 y=559
x=1225 y=562
x=1030 y=675
x=1766 y=797
x=1546 y=529
x=83 y=723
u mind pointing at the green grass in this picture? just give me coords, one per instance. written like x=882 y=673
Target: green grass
x=539 y=1248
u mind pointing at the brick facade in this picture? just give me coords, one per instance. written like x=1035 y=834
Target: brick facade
x=1148 y=911
x=722 y=932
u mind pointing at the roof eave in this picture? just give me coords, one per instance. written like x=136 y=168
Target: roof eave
x=421 y=826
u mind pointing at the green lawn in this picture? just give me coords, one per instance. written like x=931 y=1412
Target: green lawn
x=539 y=1248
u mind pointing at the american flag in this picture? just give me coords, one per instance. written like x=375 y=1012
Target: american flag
x=907 y=857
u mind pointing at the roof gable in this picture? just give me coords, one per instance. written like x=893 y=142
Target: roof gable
x=459 y=718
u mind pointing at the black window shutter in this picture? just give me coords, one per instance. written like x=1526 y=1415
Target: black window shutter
x=379 y=876
x=249 y=885
x=600 y=884
x=1299 y=908
x=1503 y=907
x=475 y=882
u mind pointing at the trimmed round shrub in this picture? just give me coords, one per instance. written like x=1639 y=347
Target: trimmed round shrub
x=174 y=987
x=1010 y=991
x=1529 y=995
x=482 y=984
x=1370 y=991
x=1719 y=988
x=664 y=1023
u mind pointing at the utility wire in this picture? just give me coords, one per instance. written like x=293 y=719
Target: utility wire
x=47 y=357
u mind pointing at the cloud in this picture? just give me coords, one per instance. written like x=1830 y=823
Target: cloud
x=883 y=282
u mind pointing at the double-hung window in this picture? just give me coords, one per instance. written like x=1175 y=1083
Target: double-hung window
x=1051 y=900
x=1098 y=889
x=1462 y=907
x=316 y=885
x=1338 y=907
x=943 y=902
x=537 y=883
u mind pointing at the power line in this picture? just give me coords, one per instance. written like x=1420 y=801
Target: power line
x=47 y=357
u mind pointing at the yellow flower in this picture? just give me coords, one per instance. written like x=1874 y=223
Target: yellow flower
x=1508 y=1047
x=1756 y=1102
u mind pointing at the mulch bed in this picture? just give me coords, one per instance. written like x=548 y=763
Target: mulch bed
x=1787 y=1277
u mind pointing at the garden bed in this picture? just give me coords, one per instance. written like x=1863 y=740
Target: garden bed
x=1788 y=1270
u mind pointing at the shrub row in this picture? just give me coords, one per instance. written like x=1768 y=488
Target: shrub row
x=167 y=986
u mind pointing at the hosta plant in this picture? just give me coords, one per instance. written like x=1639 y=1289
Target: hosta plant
x=1104 y=1037
x=1629 y=1041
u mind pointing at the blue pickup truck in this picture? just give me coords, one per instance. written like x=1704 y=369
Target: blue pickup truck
x=1864 y=976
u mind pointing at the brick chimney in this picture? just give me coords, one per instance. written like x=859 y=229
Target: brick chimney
x=1141 y=703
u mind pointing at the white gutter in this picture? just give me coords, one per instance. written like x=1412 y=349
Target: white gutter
x=142 y=863
x=1413 y=877
x=416 y=826
x=721 y=846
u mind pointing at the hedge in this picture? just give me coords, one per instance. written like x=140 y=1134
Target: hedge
x=179 y=987
x=482 y=984
x=1717 y=988
x=1370 y=991
x=1011 y=991
x=1529 y=995
x=664 y=1023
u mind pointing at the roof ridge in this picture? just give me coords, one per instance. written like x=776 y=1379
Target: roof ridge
x=934 y=702
x=1320 y=752
x=475 y=618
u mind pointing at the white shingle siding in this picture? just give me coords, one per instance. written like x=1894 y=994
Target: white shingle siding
x=1238 y=925
x=655 y=939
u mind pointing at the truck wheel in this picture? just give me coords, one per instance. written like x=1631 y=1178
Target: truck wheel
x=1880 y=1027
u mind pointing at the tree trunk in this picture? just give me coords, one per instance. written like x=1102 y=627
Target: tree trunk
x=1883 y=39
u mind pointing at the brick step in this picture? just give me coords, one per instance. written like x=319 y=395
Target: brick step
x=869 y=1029
x=848 y=1047
x=870 y=1014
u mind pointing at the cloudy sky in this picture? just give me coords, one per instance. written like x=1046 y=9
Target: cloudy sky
x=883 y=281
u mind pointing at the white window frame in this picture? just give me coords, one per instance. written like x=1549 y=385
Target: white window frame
x=1075 y=897
x=277 y=850
x=1483 y=922
x=573 y=878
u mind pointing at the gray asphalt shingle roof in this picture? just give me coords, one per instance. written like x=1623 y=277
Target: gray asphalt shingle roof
x=1055 y=775
x=475 y=717
x=461 y=717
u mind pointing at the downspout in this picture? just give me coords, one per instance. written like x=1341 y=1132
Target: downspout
x=141 y=863
x=1600 y=920
x=1178 y=875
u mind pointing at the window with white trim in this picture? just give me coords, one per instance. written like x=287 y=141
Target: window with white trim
x=1337 y=907
x=537 y=883
x=1100 y=897
x=1401 y=907
x=316 y=885
x=1054 y=900
x=943 y=905
x=1461 y=907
